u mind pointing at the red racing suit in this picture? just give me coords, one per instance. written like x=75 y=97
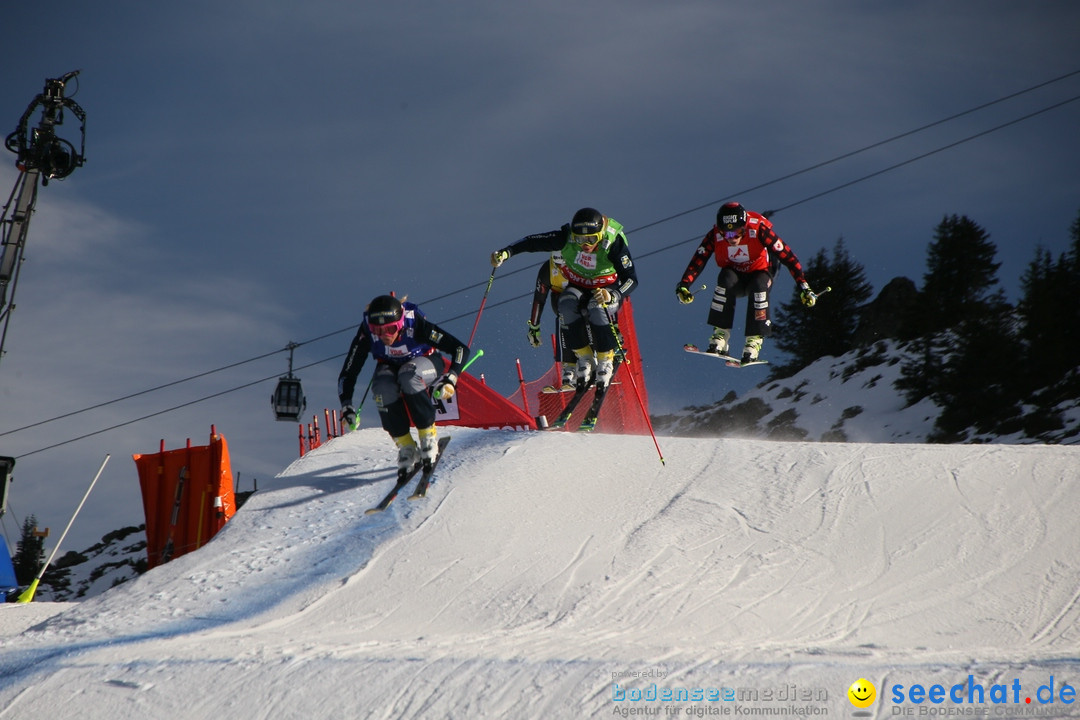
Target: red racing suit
x=754 y=251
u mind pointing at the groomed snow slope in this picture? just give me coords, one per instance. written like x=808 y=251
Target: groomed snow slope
x=545 y=573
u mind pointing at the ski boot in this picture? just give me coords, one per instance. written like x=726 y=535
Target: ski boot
x=718 y=342
x=585 y=368
x=605 y=368
x=429 y=446
x=752 y=348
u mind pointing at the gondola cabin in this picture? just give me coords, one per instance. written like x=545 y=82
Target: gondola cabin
x=288 y=399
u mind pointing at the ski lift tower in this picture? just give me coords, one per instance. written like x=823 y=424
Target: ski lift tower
x=41 y=156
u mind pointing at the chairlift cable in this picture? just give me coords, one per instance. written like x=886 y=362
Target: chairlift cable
x=665 y=248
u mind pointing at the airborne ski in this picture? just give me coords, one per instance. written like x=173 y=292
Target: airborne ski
x=551 y=389
x=588 y=424
x=571 y=405
x=425 y=476
x=729 y=360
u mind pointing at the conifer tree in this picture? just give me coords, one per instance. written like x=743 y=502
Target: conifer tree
x=961 y=274
x=827 y=329
x=957 y=297
x=1050 y=327
x=974 y=392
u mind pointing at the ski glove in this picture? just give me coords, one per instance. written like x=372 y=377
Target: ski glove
x=534 y=334
x=683 y=293
x=808 y=296
x=603 y=296
x=348 y=416
x=499 y=257
x=445 y=388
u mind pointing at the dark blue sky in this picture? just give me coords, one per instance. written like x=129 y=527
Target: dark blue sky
x=257 y=171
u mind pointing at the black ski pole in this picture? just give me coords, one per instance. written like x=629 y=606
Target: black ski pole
x=356 y=422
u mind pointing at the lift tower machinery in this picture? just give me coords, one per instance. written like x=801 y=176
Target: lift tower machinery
x=41 y=156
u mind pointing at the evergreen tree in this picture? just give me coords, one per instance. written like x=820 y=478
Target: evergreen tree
x=827 y=329
x=961 y=274
x=972 y=392
x=1069 y=324
x=922 y=376
x=958 y=294
x=1050 y=330
x=29 y=553
x=1044 y=293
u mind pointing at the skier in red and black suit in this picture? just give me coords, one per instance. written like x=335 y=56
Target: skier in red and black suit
x=404 y=344
x=749 y=253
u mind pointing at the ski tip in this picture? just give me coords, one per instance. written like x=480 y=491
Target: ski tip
x=552 y=390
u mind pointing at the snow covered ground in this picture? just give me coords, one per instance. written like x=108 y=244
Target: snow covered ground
x=851 y=398
x=553 y=575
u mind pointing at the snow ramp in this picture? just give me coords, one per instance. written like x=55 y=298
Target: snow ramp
x=563 y=575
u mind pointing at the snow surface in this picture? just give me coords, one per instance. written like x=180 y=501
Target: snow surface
x=545 y=573
x=851 y=398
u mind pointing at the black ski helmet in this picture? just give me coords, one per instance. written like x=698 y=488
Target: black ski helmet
x=731 y=216
x=587 y=221
x=384 y=310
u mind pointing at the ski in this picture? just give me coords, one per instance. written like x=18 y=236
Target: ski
x=425 y=477
x=550 y=389
x=588 y=424
x=729 y=360
x=568 y=410
x=404 y=476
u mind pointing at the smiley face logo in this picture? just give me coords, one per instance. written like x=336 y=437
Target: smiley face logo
x=862 y=693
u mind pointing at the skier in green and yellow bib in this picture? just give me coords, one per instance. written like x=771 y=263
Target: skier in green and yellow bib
x=599 y=273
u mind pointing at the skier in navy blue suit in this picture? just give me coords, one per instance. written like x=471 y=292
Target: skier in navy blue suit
x=405 y=345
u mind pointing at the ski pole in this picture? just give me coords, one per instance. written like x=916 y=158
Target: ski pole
x=633 y=381
x=479 y=354
x=28 y=594
x=481 y=310
x=356 y=422
x=815 y=295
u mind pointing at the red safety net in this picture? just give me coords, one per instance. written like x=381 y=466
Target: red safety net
x=622 y=412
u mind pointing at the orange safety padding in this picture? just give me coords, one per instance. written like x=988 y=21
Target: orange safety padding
x=200 y=505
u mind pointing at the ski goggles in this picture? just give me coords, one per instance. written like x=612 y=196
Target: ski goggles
x=731 y=234
x=587 y=239
x=391 y=328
